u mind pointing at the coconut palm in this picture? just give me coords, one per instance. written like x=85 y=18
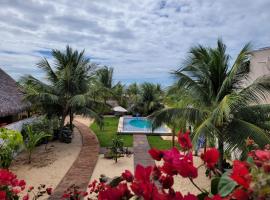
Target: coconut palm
x=149 y=99
x=221 y=104
x=67 y=89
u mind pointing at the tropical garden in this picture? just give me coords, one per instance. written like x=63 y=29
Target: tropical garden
x=212 y=100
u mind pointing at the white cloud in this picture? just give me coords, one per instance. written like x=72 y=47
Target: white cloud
x=141 y=39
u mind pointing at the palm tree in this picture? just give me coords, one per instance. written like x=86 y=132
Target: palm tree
x=220 y=104
x=67 y=89
x=149 y=99
x=133 y=93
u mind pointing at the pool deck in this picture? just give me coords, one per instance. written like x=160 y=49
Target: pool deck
x=140 y=150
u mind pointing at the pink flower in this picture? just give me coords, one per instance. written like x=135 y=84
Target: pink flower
x=166 y=181
x=190 y=197
x=26 y=197
x=240 y=173
x=156 y=154
x=263 y=155
x=184 y=140
x=2 y=195
x=127 y=175
x=210 y=157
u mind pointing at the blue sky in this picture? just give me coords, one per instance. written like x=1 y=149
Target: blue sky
x=142 y=39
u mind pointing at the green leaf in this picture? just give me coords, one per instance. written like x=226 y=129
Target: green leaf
x=115 y=181
x=214 y=185
x=250 y=160
x=226 y=185
x=202 y=195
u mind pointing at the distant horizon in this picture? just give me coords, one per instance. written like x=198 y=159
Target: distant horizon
x=143 y=40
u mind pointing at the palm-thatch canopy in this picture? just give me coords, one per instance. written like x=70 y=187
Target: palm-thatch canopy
x=11 y=97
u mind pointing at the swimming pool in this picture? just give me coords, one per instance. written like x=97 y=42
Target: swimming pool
x=131 y=125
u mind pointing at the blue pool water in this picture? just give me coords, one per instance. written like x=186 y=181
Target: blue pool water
x=141 y=125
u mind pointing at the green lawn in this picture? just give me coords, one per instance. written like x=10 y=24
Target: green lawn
x=108 y=132
x=158 y=143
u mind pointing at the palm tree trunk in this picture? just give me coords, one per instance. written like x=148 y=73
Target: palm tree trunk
x=221 y=152
x=71 y=117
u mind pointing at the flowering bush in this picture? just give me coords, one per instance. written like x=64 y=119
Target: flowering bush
x=247 y=180
x=11 y=187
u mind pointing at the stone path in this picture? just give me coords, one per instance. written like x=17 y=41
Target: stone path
x=81 y=170
x=140 y=150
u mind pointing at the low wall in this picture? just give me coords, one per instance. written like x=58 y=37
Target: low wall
x=17 y=126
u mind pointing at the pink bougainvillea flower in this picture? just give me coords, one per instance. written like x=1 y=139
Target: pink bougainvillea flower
x=26 y=197
x=190 y=197
x=262 y=155
x=166 y=181
x=156 y=154
x=240 y=194
x=171 y=155
x=3 y=195
x=184 y=140
x=186 y=169
x=112 y=193
x=240 y=173
x=127 y=175
x=142 y=174
x=210 y=157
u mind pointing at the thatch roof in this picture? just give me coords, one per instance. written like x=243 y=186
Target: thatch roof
x=11 y=97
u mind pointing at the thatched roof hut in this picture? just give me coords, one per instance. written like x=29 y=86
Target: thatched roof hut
x=11 y=96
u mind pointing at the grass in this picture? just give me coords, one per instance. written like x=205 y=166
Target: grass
x=108 y=132
x=158 y=143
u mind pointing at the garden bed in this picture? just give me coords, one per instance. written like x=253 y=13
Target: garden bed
x=47 y=167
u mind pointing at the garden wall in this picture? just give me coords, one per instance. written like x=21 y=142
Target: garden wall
x=17 y=126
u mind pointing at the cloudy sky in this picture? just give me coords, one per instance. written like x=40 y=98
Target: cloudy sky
x=142 y=39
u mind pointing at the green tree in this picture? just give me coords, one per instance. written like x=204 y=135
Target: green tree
x=149 y=99
x=220 y=103
x=68 y=89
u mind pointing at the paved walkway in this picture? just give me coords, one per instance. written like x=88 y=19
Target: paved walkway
x=81 y=170
x=140 y=150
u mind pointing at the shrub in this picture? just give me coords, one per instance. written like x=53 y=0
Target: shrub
x=32 y=140
x=10 y=142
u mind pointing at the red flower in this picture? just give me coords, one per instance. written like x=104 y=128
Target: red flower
x=49 y=191
x=26 y=197
x=127 y=175
x=190 y=197
x=166 y=181
x=240 y=194
x=156 y=154
x=186 y=169
x=143 y=174
x=210 y=157
x=266 y=167
x=240 y=173
x=184 y=140
x=30 y=188
x=3 y=195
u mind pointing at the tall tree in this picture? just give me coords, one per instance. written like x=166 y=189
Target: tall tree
x=149 y=99
x=220 y=105
x=67 y=89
